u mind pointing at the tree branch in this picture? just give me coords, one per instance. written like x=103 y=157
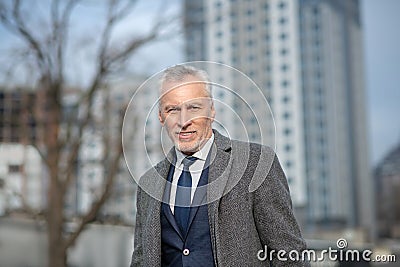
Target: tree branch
x=28 y=36
x=110 y=177
x=62 y=36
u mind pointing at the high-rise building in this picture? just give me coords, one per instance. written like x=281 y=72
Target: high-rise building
x=307 y=58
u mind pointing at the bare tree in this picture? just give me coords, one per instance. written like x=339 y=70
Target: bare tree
x=44 y=53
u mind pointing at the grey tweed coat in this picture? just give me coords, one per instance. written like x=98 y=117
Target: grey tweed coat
x=249 y=208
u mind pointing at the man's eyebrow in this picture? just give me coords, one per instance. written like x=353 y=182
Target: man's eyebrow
x=194 y=103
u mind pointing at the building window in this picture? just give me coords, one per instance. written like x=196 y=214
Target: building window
x=250 y=42
x=285 y=99
x=288 y=164
x=282 y=5
x=286 y=115
x=321 y=141
x=14 y=168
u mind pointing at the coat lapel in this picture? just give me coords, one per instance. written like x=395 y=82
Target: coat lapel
x=199 y=197
x=219 y=172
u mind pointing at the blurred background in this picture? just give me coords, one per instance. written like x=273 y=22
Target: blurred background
x=328 y=68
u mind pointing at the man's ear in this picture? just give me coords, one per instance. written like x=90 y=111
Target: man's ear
x=212 y=113
x=160 y=118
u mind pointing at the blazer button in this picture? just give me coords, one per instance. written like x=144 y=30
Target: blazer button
x=186 y=252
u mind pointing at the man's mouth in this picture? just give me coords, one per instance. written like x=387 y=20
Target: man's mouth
x=186 y=134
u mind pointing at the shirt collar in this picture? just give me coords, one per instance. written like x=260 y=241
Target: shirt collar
x=201 y=154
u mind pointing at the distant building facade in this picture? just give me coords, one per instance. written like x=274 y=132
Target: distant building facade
x=387 y=181
x=17 y=121
x=22 y=179
x=306 y=56
x=23 y=174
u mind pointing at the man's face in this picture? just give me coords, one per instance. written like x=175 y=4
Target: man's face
x=187 y=113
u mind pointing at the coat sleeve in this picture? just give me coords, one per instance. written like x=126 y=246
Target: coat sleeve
x=274 y=218
x=137 y=255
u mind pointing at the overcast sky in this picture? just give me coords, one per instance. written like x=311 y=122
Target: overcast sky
x=382 y=73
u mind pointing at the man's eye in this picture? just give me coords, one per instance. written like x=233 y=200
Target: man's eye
x=171 y=110
x=194 y=108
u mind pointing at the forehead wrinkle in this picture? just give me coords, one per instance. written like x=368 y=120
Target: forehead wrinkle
x=197 y=99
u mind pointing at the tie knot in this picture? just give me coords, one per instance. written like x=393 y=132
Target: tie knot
x=187 y=162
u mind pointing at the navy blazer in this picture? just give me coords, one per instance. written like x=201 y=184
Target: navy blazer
x=192 y=248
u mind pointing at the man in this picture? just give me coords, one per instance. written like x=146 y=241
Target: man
x=198 y=207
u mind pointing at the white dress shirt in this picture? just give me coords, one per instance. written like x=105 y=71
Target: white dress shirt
x=195 y=170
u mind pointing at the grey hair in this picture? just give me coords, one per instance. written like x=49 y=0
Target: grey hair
x=178 y=73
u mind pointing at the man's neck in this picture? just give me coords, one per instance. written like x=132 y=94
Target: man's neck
x=201 y=153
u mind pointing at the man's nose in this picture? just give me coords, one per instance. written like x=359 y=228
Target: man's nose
x=184 y=118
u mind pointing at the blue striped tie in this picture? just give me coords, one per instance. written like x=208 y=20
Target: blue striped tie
x=183 y=195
